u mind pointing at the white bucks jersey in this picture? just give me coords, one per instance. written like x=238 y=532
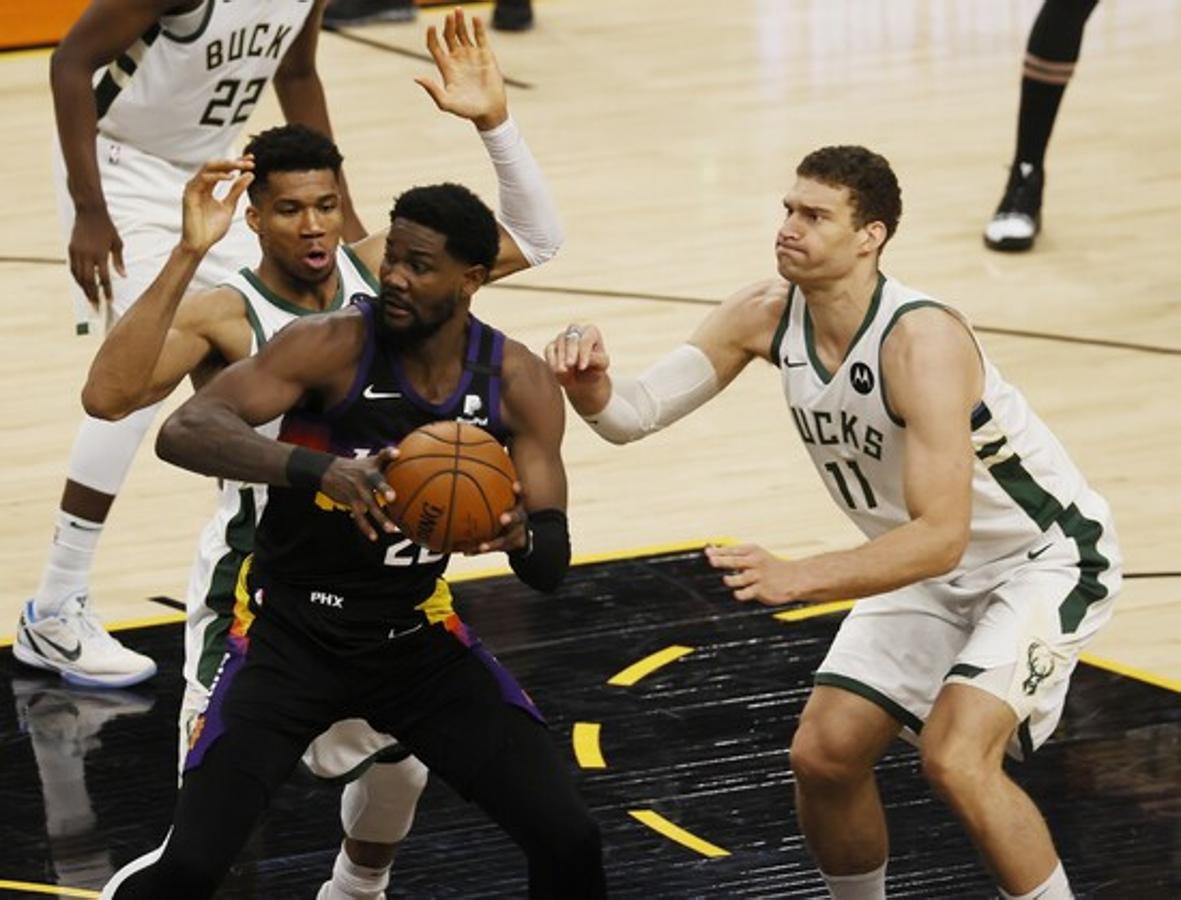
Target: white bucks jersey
x=184 y=89
x=229 y=536
x=1025 y=489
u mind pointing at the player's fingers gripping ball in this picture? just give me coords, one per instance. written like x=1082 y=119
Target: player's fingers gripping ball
x=453 y=481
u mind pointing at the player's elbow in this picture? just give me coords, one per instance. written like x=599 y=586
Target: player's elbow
x=173 y=436
x=949 y=548
x=105 y=404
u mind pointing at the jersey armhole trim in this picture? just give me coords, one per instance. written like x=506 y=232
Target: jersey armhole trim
x=189 y=38
x=781 y=328
x=898 y=314
x=260 y=337
x=363 y=270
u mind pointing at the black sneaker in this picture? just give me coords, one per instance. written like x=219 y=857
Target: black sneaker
x=1018 y=217
x=512 y=15
x=347 y=13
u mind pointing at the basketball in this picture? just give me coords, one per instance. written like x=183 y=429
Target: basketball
x=453 y=481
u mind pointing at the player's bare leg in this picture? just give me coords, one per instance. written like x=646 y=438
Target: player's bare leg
x=963 y=746
x=839 y=739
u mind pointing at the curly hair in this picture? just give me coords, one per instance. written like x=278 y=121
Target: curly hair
x=290 y=148
x=456 y=213
x=871 y=182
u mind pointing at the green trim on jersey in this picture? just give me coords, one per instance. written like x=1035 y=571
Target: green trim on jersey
x=286 y=305
x=873 y=695
x=1045 y=510
x=109 y=86
x=781 y=328
x=963 y=670
x=239 y=537
x=189 y=38
x=394 y=753
x=260 y=337
x=810 y=344
x=362 y=269
x=898 y=314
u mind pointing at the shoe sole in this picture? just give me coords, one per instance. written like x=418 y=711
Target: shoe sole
x=1010 y=245
x=79 y=679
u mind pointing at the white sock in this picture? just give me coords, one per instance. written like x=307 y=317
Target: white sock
x=866 y=886
x=353 y=882
x=71 y=557
x=1056 y=887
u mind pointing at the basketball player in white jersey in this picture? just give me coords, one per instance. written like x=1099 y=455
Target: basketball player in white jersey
x=989 y=563
x=295 y=211
x=144 y=92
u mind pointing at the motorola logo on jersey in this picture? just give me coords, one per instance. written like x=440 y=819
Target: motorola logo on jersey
x=861 y=377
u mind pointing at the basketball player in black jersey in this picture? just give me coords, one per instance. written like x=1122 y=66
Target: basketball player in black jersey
x=338 y=614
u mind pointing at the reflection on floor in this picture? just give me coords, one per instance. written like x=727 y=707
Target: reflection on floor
x=699 y=743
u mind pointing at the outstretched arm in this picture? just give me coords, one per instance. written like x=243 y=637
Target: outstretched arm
x=472 y=88
x=148 y=351
x=625 y=409
x=933 y=370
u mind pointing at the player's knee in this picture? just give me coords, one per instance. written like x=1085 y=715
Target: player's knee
x=823 y=756
x=379 y=807
x=953 y=766
x=573 y=846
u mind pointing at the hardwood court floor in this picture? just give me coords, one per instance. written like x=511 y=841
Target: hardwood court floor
x=668 y=133
x=683 y=760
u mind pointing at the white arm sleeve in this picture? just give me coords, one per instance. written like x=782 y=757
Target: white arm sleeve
x=669 y=389
x=527 y=209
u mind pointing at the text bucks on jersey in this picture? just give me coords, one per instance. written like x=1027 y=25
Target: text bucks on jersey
x=858 y=443
x=184 y=89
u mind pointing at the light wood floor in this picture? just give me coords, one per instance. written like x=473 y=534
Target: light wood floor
x=669 y=132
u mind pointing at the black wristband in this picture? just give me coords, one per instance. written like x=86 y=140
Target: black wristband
x=306 y=468
x=543 y=562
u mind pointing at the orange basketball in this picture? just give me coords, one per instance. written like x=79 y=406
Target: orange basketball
x=453 y=482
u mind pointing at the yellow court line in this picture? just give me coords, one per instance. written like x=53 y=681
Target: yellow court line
x=1161 y=681
x=661 y=825
x=649 y=664
x=813 y=610
x=586 y=745
x=52 y=889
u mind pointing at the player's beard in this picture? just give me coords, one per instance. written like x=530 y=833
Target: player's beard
x=420 y=328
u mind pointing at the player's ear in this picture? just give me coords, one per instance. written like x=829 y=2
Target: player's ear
x=473 y=278
x=252 y=217
x=874 y=236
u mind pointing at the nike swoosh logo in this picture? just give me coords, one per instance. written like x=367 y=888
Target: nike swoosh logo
x=793 y=365
x=394 y=633
x=370 y=394
x=68 y=654
x=1034 y=554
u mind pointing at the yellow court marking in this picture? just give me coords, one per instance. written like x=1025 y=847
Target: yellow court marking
x=51 y=889
x=649 y=664
x=661 y=825
x=586 y=745
x=1161 y=681
x=814 y=610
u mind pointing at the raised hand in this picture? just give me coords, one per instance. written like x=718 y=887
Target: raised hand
x=206 y=218
x=472 y=87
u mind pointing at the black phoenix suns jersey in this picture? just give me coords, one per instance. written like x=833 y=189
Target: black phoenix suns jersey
x=308 y=542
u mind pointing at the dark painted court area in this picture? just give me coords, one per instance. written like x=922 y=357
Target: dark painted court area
x=87 y=778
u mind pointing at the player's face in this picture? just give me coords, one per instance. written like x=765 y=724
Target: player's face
x=817 y=241
x=422 y=285
x=299 y=220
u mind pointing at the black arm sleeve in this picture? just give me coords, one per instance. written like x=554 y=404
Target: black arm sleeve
x=545 y=560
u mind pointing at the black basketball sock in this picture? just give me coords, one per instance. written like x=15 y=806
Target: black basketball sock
x=1051 y=53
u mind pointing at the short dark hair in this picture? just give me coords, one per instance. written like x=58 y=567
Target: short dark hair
x=868 y=177
x=290 y=148
x=457 y=214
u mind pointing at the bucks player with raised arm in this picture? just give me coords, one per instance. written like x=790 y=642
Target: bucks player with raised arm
x=144 y=92
x=989 y=562
x=295 y=210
